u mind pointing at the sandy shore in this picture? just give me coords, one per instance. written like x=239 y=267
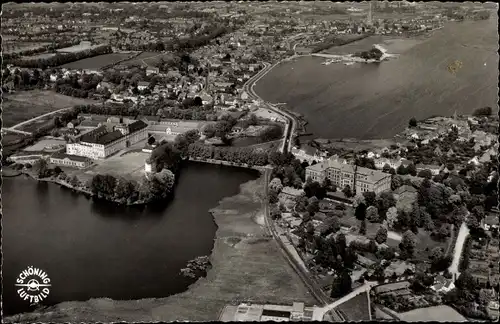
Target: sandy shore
x=246 y=266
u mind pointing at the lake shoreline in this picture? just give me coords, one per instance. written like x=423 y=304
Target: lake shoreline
x=241 y=246
x=9 y=172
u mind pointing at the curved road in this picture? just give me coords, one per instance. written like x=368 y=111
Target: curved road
x=290 y=120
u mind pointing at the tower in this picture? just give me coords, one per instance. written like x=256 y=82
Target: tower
x=369 y=19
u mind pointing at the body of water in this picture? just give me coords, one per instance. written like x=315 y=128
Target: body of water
x=95 y=249
x=373 y=101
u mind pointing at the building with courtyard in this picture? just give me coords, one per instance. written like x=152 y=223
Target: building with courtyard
x=342 y=174
x=101 y=143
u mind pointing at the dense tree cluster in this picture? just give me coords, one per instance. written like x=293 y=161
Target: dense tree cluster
x=166 y=156
x=335 y=41
x=156 y=187
x=244 y=155
x=291 y=171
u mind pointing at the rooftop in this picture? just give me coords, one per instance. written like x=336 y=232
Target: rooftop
x=71 y=157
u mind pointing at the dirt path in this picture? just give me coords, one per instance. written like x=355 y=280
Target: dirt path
x=394 y=236
x=459 y=245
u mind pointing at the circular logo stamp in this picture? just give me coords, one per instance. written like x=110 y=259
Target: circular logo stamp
x=33 y=285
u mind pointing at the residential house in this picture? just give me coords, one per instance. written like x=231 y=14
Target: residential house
x=150 y=120
x=152 y=70
x=104 y=85
x=72 y=124
x=291 y=192
x=381 y=162
x=308 y=153
x=490 y=222
x=442 y=285
x=493 y=309
x=244 y=95
x=383 y=289
x=88 y=124
x=142 y=85
x=435 y=169
x=404 y=190
x=398 y=268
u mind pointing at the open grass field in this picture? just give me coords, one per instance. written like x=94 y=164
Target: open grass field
x=24 y=105
x=39 y=56
x=15 y=47
x=246 y=266
x=425 y=241
x=356 y=308
x=11 y=142
x=436 y=313
x=96 y=62
x=130 y=165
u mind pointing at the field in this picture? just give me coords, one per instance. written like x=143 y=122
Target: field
x=24 y=105
x=16 y=47
x=356 y=308
x=96 y=62
x=11 y=142
x=130 y=165
x=436 y=313
x=40 y=145
x=425 y=241
x=39 y=56
x=148 y=58
x=76 y=48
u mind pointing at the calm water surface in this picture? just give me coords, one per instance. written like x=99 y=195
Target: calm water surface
x=369 y=101
x=96 y=249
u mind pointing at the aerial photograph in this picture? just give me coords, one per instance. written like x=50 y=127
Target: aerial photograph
x=247 y=161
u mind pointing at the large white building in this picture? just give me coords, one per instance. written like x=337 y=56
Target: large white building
x=342 y=174
x=100 y=143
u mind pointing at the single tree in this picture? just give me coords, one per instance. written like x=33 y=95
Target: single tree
x=381 y=236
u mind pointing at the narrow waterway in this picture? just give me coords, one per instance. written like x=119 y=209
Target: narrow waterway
x=95 y=249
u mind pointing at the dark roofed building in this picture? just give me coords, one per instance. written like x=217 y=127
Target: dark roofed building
x=64 y=159
x=101 y=142
x=136 y=126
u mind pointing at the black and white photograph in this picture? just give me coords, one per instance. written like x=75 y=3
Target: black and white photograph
x=248 y=161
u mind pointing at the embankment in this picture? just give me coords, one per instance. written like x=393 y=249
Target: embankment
x=246 y=266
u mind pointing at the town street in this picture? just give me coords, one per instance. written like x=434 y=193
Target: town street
x=459 y=245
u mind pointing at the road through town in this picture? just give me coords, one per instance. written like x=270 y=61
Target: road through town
x=290 y=120
x=459 y=246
